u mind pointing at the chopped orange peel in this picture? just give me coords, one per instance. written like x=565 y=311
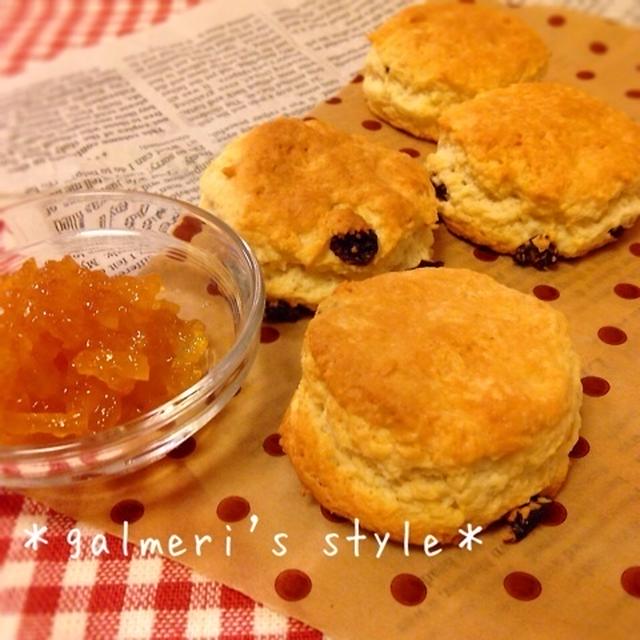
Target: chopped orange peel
x=81 y=351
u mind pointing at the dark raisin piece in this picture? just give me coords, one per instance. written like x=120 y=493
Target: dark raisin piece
x=282 y=311
x=441 y=191
x=386 y=69
x=616 y=232
x=355 y=247
x=524 y=519
x=538 y=252
x=429 y=263
x=521 y=527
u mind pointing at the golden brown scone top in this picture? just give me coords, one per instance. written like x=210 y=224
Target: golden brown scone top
x=468 y=47
x=298 y=183
x=548 y=142
x=448 y=360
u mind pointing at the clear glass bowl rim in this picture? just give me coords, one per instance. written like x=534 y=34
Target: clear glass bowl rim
x=191 y=396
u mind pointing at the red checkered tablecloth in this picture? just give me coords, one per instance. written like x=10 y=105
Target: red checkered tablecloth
x=46 y=593
x=33 y=30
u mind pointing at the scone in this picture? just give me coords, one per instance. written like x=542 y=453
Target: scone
x=537 y=170
x=430 y=56
x=437 y=397
x=319 y=206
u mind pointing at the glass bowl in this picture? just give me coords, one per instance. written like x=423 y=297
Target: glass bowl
x=206 y=268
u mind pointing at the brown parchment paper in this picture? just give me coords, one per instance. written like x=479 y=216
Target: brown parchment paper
x=578 y=563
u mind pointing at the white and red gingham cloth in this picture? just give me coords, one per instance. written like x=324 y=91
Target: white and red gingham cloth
x=41 y=29
x=45 y=594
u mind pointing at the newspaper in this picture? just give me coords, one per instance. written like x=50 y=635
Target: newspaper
x=149 y=111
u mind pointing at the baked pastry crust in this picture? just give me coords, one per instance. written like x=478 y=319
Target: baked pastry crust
x=430 y=56
x=538 y=160
x=435 y=396
x=320 y=206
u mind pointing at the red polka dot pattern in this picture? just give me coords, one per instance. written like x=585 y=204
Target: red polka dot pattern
x=522 y=586
x=213 y=289
x=271 y=445
x=627 y=291
x=127 y=510
x=485 y=254
x=233 y=509
x=553 y=514
x=293 y=585
x=405 y=588
x=184 y=449
x=595 y=387
x=331 y=516
x=580 y=449
x=372 y=125
x=612 y=335
x=556 y=20
x=188 y=228
x=545 y=292
x=268 y=334
x=598 y=48
x=408 y=589
x=630 y=581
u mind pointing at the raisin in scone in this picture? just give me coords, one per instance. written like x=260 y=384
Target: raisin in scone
x=437 y=397
x=319 y=206
x=430 y=56
x=537 y=170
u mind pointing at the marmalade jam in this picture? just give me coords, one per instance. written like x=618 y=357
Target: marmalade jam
x=81 y=351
